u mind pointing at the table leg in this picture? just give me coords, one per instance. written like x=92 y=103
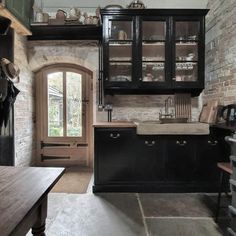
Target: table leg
x=39 y=226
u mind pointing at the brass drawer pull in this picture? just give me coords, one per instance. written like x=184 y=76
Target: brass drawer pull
x=150 y=143
x=213 y=143
x=183 y=143
x=114 y=136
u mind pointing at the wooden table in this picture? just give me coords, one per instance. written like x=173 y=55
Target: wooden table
x=23 y=198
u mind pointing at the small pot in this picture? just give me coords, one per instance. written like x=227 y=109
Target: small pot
x=61 y=14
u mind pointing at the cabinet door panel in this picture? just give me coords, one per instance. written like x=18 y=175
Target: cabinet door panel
x=154 y=52
x=118 y=51
x=149 y=164
x=181 y=154
x=208 y=154
x=114 y=160
x=188 y=56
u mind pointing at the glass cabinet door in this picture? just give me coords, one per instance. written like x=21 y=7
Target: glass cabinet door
x=186 y=51
x=153 y=51
x=120 y=46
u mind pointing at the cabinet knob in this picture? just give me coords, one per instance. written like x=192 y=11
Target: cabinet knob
x=150 y=143
x=183 y=143
x=174 y=79
x=114 y=136
x=106 y=79
x=140 y=79
x=213 y=143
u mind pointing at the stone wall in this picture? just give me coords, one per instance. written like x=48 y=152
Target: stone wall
x=24 y=109
x=144 y=107
x=83 y=53
x=221 y=52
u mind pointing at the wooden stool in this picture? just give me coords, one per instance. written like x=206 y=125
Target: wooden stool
x=225 y=169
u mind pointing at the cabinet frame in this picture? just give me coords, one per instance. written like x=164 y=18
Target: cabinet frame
x=201 y=52
x=136 y=86
x=127 y=178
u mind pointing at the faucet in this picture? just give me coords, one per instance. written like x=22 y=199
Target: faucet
x=168 y=103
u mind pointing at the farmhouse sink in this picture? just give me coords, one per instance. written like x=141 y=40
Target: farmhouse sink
x=155 y=128
x=173 y=120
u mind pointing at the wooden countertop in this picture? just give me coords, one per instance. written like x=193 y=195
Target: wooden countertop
x=119 y=124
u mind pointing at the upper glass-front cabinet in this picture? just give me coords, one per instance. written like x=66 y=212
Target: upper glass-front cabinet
x=119 y=50
x=187 y=40
x=153 y=51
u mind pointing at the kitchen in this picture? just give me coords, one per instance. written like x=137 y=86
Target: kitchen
x=33 y=55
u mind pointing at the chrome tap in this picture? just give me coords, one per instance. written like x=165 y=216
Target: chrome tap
x=168 y=103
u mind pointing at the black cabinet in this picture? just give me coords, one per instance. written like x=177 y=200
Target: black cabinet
x=114 y=156
x=180 y=158
x=127 y=162
x=153 y=50
x=149 y=161
x=208 y=154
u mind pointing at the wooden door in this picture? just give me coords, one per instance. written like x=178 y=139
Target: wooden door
x=63 y=115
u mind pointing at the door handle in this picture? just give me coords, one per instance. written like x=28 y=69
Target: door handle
x=213 y=143
x=114 y=136
x=150 y=143
x=183 y=143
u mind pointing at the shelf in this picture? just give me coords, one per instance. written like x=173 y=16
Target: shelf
x=162 y=44
x=154 y=62
x=66 y=32
x=120 y=43
x=186 y=44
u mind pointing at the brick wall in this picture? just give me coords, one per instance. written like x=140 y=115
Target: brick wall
x=24 y=113
x=220 y=75
x=144 y=107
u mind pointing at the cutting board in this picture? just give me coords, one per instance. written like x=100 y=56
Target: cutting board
x=209 y=112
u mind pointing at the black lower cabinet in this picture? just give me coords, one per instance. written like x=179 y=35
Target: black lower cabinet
x=180 y=158
x=114 y=156
x=207 y=156
x=149 y=162
x=127 y=162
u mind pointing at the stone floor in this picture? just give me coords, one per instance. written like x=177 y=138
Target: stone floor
x=132 y=214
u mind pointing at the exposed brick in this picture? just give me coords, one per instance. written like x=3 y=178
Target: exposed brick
x=220 y=51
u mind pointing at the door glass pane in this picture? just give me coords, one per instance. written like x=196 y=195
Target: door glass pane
x=120 y=52
x=187 y=30
x=186 y=51
x=120 y=72
x=74 y=104
x=153 y=72
x=153 y=51
x=120 y=30
x=55 y=104
x=186 y=72
x=154 y=30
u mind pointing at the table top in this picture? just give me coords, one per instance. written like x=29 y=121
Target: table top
x=22 y=189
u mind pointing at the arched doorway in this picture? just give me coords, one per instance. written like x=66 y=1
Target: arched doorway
x=63 y=115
